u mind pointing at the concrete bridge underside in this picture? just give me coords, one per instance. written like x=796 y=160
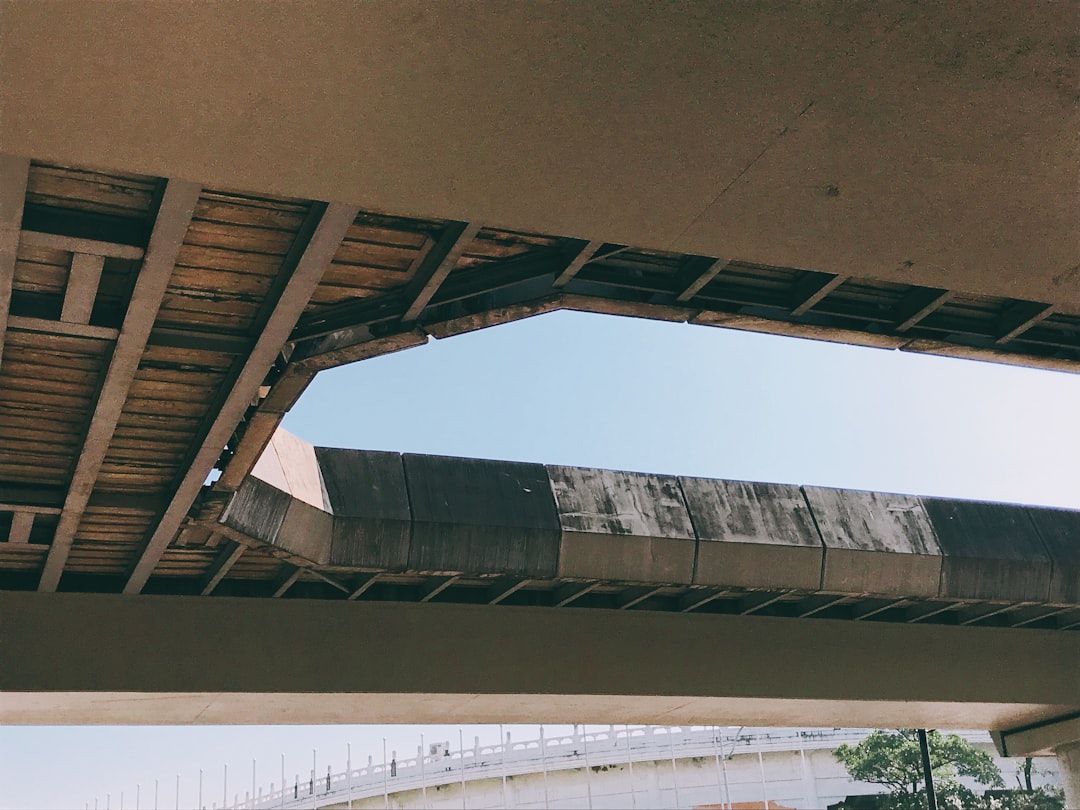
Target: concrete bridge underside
x=200 y=210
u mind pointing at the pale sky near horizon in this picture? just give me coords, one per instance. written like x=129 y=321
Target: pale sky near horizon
x=600 y=391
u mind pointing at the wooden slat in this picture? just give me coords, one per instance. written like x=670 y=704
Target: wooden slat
x=919 y=304
x=287 y=581
x=635 y=596
x=21 y=525
x=82 y=287
x=304 y=267
x=173 y=218
x=230 y=554
x=74 y=244
x=708 y=272
x=329 y=580
x=437 y=586
x=1022 y=316
x=362 y=584
x=498 y=593
x=694 y=599
x=437 y=264
x=579 y=261
x=14 y=172
x=814 y=292
x=572 y=591
x=79 y=330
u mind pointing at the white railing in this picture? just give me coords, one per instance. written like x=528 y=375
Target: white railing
x=561 y=752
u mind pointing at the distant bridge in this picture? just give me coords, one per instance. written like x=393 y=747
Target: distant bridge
x=714 y=751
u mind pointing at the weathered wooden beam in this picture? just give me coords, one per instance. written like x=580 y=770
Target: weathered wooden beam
x=301 y=272
x=14 y=172
x=173 y=338
x=283 y=584
x=83 y=280
x=329 y=580
x=918 y=614
x=1040 y=615
x=635 y=596
x=705 y=270
x=430 y=590
x=571 y=591
x=815 y=289
x=174 y=217
x=584 y=256
x=22 y=523
x=1021 y=316
x=1069 y=625
x=973 y=617
x=437 y=264
x=498 y=593
x=873 y=609
x=814 y=605
x=919 y=304
x=29 y=509
x=755 y=602
x=693 y=599
x=18 y=323
x=75 y=244
x=227 y=557
x=361 y=584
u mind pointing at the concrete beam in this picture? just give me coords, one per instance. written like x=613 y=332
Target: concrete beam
x=436 y=515
x=372 y=662
x=923 y=145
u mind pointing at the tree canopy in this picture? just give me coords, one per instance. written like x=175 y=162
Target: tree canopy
x=893 y=759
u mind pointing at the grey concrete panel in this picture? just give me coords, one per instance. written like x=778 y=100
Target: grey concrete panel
x=306 y=532
x=876 y=543
x=622 y=526
x=364 y=483
x=1060 y=531
x=481 y=516
x=992 y=551
x=257 y=510
x=370 y=543
x=373 y=522
x=753 y=535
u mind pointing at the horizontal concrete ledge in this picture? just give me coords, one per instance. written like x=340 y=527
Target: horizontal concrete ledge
x=251 y=708
x=164 y=646
x=1038 y=738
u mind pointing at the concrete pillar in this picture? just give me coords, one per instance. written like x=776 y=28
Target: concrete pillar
x=1068 y=757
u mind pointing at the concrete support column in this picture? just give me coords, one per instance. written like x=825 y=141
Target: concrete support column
x=1068 y=757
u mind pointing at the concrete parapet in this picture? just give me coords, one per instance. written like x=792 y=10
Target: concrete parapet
x=490 y=517
x=384 y=512
x=991 y=551
x=753 y=535
x=622 y=526
x=876 y=543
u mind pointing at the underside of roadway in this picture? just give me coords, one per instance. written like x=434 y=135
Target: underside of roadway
x=200 y=209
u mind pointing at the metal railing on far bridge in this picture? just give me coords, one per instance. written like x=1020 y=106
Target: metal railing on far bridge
x=440 y=765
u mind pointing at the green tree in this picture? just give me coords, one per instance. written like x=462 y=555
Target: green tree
x=893 y=759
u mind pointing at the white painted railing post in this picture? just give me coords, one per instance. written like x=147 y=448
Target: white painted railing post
x=423 y=777
x=588 y=773
x=674 y=771
x=764 y=789
x=543 y=763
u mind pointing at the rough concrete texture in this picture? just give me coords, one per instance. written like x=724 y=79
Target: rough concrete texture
x=934 y=144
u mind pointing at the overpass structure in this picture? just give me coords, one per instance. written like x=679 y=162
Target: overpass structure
x=193 y=227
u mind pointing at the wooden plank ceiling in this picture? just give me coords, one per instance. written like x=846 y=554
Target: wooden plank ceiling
x=153 y=333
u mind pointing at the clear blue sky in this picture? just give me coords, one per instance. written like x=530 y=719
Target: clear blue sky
x=608 y=392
